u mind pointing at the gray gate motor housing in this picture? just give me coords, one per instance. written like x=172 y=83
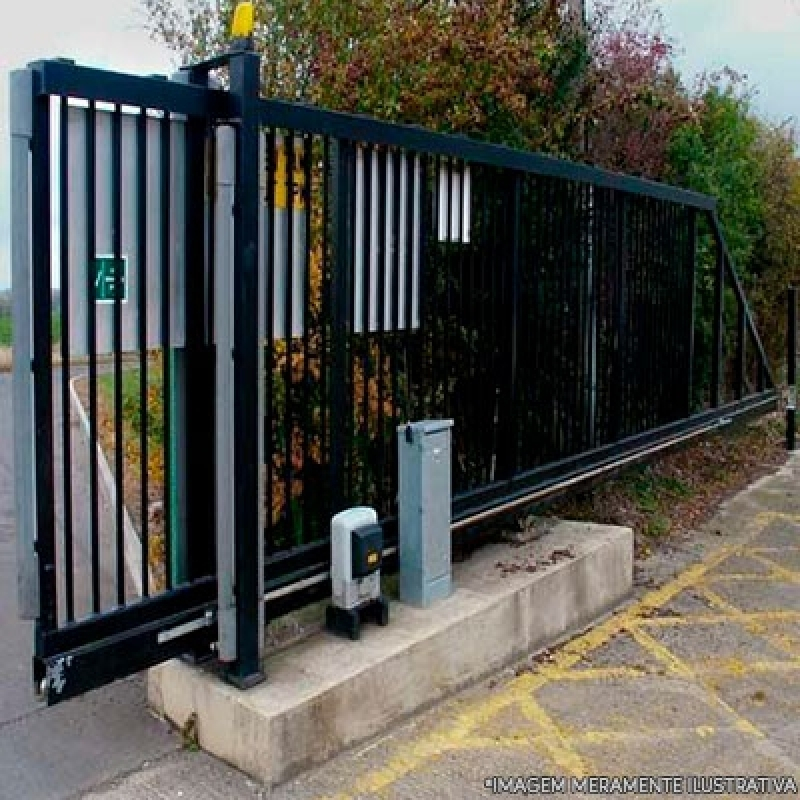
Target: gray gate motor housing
x=356 y=559
x=424 y=511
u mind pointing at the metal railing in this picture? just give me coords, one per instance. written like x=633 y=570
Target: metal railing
x=565 y=317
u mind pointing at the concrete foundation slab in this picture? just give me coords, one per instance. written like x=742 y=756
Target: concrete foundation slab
x=325 y=694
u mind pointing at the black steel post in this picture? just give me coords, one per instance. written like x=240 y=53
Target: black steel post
x=244 y=81
x=741 y=351
x=42 y=364
x=791 y=368
x=692 y=292
x=509 y=424
x=618 y=394
x=341 y=232
x=197 y=411
x=719 y=310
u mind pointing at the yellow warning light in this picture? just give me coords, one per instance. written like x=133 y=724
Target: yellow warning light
x=243 y=21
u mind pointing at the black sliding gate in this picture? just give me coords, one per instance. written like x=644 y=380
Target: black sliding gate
x=225 y=306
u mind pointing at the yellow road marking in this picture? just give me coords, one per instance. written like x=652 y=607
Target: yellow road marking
x=753 y=626
x=782 y=615
x=780 y=572
x=556 y=743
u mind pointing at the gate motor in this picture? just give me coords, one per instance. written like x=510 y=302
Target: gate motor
x=356 y=558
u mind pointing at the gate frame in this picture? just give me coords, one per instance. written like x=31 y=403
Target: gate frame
x=74 y=657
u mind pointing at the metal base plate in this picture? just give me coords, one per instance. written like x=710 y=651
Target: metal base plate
x=347 y=622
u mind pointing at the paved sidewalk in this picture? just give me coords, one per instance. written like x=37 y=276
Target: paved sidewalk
x=698 y=677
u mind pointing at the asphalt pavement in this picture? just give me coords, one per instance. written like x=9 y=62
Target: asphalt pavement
x=61 y=752
x=698 y=676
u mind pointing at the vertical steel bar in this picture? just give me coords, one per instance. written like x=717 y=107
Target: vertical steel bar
x=411 y=392
x=369 y=256
x=447 y=266
x=620 y=344
x=492 y=355
x=144 y=401
x=91 y=324
x=165 y=234
x=271 y=422
x=41 y=234
x=341 y=204
x=741 y=350
x=562 y=347
x=691 y=284
x=244 y=81
x=306 y=194
x=194 y=413
x=434 y=265
x=119 y=435
x=510 y=427
x=482 y=371
x=791 y=369
x=288 y=301
x=718 y=330
x=324 y=323
x=66 y=423
x=395 y=279
x=383 y=166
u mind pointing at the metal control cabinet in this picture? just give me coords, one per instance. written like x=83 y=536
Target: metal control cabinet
x=424 y=511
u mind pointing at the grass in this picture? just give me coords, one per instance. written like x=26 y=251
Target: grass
x=6 y=329
x=680 y=490
x=131 y=403
x=132 y=421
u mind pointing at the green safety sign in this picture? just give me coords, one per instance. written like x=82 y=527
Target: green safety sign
x=110 y=279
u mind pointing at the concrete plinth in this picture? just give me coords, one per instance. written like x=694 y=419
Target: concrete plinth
x=324 y=694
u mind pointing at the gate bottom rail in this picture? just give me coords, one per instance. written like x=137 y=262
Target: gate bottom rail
x=99 y=650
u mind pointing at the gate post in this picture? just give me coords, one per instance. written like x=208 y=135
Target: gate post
x=507 y=447
x=24 y=421
x=247 y=353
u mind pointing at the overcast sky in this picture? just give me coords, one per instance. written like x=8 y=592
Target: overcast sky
x=758 y=37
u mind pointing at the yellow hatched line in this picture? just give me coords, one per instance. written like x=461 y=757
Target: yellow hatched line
x=659 y=734
x=740 y=577
x=659 y=651
x=765 y=517
x=782 y=615
x=779 y=572
x=606 y=673
x=458 y=736
x=553 y=743
x=754 y=626
x=678 y=667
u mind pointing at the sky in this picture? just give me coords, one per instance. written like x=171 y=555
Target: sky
x=760 y=38
x=91 y=32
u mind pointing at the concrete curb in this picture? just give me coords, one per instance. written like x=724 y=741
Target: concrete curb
x=133 y=543
x=326 y=694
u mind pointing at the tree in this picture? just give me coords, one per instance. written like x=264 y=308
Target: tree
x=714 y=152
x=502 y=70
x=635 y=98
